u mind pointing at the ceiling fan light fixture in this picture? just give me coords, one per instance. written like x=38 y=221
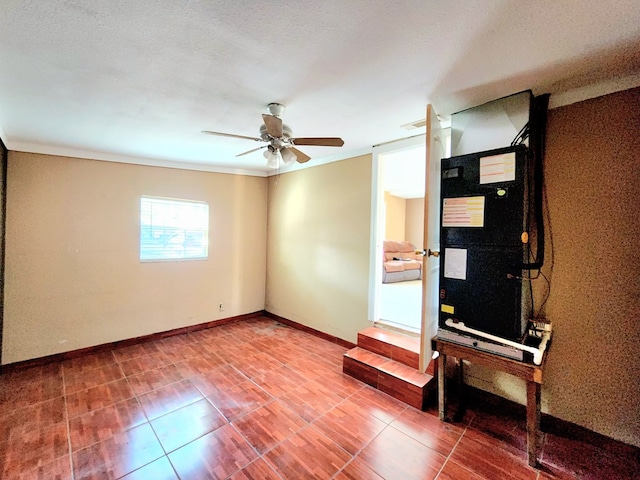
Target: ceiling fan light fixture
x=288 y=156
x=281 y=145
x=273 y=157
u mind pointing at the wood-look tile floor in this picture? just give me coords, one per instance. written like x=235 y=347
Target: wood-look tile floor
x=257 y=400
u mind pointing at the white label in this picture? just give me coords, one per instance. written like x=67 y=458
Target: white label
x=463 y=212
x=498 y=168
x=455 y=263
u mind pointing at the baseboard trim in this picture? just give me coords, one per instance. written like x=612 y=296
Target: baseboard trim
x=59 y=357
x=309 y=330
x=550 y=424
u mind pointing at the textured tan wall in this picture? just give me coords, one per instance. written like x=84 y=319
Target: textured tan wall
x=593 y=187
x=3 y=191
x=318 y=246
x=73 y=275
x=414 y=221
x=395 y=217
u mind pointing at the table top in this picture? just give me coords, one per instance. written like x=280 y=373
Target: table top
x=525 y=370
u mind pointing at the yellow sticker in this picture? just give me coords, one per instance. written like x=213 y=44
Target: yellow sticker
x=447 y=309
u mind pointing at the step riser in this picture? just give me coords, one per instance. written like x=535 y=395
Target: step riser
x=407 y=393
x=394 y=352
x=360 y=371
x=397 y=388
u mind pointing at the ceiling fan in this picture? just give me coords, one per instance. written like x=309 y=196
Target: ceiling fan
x=281 y=145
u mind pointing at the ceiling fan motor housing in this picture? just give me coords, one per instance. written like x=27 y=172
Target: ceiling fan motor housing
x=287 y=133
x=275 y=109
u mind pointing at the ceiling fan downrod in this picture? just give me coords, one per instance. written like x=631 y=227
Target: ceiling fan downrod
x=275 y=109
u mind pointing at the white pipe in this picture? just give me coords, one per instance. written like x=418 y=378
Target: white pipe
x=536 y=352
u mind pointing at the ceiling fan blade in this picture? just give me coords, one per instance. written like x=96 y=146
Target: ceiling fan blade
x=252 y=150
x=273 y=124
x=301 y=157
x=232 y=135
x=319 y=141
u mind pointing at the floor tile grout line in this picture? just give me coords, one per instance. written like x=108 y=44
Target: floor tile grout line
x=368 y=442
x=269 y=464
x=134 y=397
x=166 y=455
x=366 y=445
x=228 y=422
x=502 y=442
x=387 y=425
x=338 y=445
x=284 y=439
x=68 y=421
x=90 y=412
x=340 y=470
x=263 y=455
x=173 y=362
x=253 y=447
x=127 y=378
x=452 y=450
x=472 y=425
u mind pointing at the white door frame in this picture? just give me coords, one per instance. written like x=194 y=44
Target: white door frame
x=377 y=221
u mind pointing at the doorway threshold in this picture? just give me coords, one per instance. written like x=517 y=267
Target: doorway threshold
x=397 y=327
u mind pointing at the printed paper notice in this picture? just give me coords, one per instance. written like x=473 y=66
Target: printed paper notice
x=463 y=212
x=498 y=168
x=455 y=263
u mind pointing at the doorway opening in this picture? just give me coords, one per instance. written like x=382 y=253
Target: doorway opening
x=397 y=232
x=398 y=184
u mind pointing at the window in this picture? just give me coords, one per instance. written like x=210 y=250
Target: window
x=173 y=229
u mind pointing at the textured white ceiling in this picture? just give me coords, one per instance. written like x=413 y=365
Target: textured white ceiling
x=137 y=81
x=403 y=172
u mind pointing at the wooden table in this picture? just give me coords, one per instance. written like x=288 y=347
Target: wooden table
x=529 y=372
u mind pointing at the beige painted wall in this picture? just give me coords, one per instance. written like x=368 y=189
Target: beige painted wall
x=3 y=192
x=414 y=221
x=318 y=246
x=593 y=370
x=73 y=275
x=395 y=217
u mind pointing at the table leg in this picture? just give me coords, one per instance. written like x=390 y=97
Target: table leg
x=533 y=421
x=442 y=395
x=462 y=407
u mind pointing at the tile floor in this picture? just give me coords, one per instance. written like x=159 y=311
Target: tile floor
x=257 y=400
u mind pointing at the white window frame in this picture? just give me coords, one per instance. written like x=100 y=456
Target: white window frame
x=173 y=229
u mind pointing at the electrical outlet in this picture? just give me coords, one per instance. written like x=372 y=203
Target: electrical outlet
x=221 y=307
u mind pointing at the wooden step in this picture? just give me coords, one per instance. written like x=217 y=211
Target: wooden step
x=396 y=346
x=390 y=376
